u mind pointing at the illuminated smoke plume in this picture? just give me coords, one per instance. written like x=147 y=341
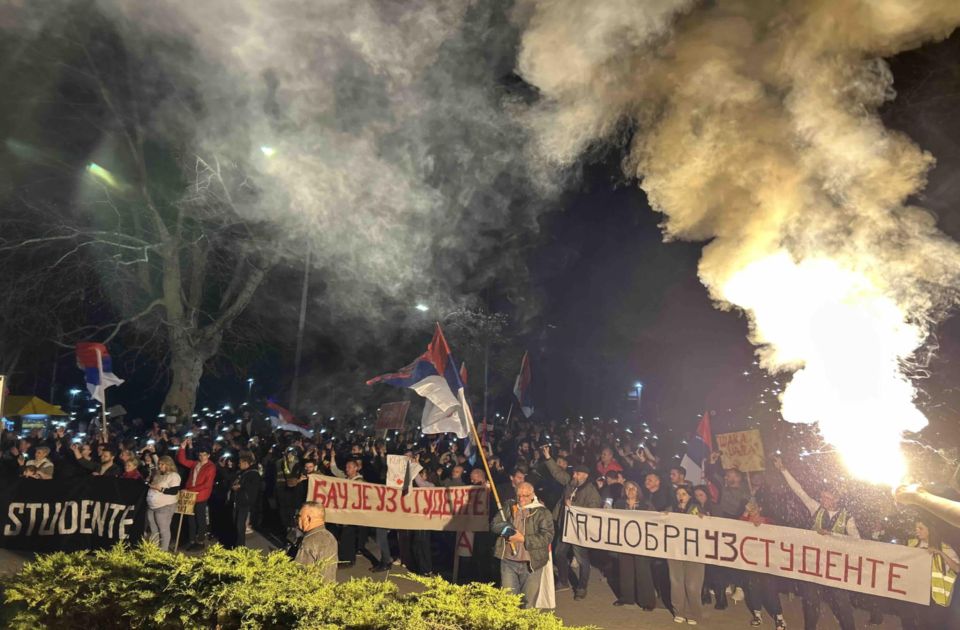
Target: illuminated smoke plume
x=754 y=127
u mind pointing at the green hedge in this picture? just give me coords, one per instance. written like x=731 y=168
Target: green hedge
x=143 y=587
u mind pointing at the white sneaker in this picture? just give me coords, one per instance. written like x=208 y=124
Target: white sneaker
x=679 y=620
x=737 y=595
x=691 y=622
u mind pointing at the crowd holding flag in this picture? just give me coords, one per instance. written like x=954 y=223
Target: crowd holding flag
x=441 y=500
x=435 y=376
x=97 y=366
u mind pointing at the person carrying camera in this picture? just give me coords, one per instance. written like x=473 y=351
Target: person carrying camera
x=523 y=545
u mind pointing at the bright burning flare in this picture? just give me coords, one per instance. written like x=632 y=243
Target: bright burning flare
x=754 y=126
x=847 y=341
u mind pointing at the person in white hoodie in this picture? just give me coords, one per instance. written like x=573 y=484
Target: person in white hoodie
x=523 y=545
x=162 y=500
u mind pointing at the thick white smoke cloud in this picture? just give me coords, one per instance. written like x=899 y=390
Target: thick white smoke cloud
x=755 y=127
x=375 y=130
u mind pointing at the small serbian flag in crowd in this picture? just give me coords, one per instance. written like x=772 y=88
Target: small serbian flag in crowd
x=698 y=451
x=274 y=410
x=434 y=375
x=97 y=366
x=521 y=388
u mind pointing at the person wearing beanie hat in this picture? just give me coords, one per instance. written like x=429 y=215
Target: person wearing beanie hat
x=200 y=479
x=577 y=492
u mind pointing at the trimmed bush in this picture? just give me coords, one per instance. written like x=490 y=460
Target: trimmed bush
x=143 y=587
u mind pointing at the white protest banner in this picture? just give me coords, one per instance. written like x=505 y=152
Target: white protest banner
x=397 y=470
x=458 y=508
x=853 y=564
x=465 y=544
x=742 y=450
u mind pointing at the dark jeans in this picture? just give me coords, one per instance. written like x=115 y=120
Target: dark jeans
x=420 y=548
x=353 y=539
x=661 y=581
x=582 y=554
x=197 y=524
x=762 y=591
x=240 y=514
x=636 y=580
x=287 y=504
x=919 y=617
x=838 y=600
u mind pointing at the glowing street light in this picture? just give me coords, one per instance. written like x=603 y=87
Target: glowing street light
x=104 y=176
x=249 y=388
x=268 y=151
x=423 y=308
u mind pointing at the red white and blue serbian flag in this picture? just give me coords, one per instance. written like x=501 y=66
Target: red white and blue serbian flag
x=282 y=414
x=698 y=451
x=434 y=376
x=97 y=366
x=521 y=388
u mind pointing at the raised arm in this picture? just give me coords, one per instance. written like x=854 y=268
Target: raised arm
x=808 y=502
x=562 y=476
x=942 y=508
x=334 y=469
x=182 y=456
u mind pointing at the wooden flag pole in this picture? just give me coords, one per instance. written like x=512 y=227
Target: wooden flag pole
x=103 y=403
x=486 y=467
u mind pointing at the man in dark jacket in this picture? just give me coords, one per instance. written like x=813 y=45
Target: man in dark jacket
x=577 y=492
x=108 y=462
x=523 y=545
x=245 y=492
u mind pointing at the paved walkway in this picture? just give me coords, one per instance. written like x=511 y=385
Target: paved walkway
x=598 y=609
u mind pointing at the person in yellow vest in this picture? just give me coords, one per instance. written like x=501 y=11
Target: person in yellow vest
x=830 y=518
x=944 y=565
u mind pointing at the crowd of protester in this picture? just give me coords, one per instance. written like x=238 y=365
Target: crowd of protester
x=248 y=475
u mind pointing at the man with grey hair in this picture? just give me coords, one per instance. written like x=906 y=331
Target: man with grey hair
x=44 y=465
x=317 y=544
x=523 y=545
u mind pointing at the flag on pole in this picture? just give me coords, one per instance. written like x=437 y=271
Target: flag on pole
x=97 y=367
x=698 y=451
x=470 y=450
x=521 y=388
x=434 y=376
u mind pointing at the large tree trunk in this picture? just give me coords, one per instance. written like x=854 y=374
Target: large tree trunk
x=186 y=368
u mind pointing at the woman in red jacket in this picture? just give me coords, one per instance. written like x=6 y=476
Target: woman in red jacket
x=199 y=479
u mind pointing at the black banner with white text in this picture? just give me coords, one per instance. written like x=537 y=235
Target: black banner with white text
x=71 y=514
